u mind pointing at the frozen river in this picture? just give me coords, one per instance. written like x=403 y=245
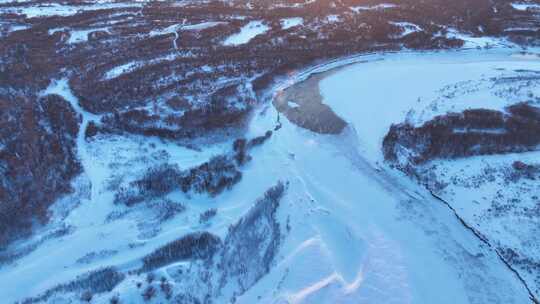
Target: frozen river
x=362 y=232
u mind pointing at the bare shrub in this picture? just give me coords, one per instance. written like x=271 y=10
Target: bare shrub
x=192 y=246
x=212 y=177
x=207 y=215
x=149 y=293
x=166 y=288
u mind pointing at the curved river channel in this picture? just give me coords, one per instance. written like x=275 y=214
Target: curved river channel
x=363 y=232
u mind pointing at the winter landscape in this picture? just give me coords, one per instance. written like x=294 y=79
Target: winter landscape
x=256 y=151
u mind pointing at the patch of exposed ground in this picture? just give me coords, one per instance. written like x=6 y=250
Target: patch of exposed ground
x=303 y=105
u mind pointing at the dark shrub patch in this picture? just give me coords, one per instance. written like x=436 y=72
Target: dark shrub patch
x=37 y=160
x=149 y=293
x=159 y=180
x=95 y=282
x=257 y=141
x=192 y=246
x=91 y=130
x=212 y=177
x=207 y=215
x=473 y=132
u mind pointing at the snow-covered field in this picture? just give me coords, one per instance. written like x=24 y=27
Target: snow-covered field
x=247 y=32
x=354 y=230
